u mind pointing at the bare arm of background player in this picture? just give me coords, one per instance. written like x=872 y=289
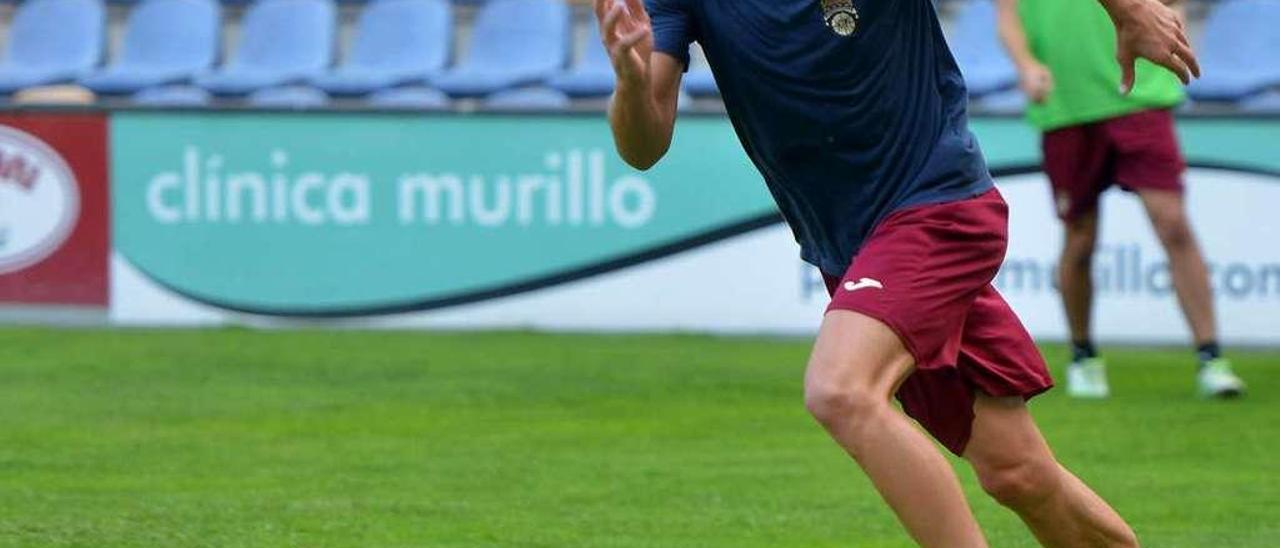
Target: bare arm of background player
x=643 y=109
x=1034 y=78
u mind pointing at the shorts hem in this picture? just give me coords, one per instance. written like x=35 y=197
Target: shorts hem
x=1025 y=394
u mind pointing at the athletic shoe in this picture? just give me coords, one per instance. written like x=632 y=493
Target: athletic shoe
x=1087 y=378
x=1216 y=380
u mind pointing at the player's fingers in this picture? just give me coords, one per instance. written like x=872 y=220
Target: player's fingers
x=636 y=8
x=601 y=7
x=1182 y=38
x=609 y=28
x=1188 y=56
x=1179 y=67
x=632 y=38
x=627 y=43
x=1126 y=70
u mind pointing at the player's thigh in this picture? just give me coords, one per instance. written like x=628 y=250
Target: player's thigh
x=1081 y=232
x=1167 y=210
x=856 y=354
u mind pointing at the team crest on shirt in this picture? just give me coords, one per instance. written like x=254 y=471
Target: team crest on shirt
x=841 y=16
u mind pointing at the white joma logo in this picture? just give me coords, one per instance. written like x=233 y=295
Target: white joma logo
x=863 y=284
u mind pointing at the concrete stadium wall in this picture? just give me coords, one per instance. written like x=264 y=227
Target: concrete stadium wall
x=371 y=220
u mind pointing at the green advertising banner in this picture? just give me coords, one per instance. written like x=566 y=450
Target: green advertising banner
x=337 y=214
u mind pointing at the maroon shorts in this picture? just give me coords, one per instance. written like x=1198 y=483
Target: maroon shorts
x=926 y=273
x=1138 y=152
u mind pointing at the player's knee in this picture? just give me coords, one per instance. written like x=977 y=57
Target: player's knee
x=1078 y=250
x=1020 y=484
x=835 y=404
x=1174 y=231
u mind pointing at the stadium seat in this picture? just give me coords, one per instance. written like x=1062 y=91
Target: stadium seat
x=976 y=45
x=1239 y=50
x=1263 y=103
x=528 y=99
x=1010 y=101
x=417 y=98
x=52 y=41
x=513 y=43
x=593 y=75
x=700 y=82
x=282 y=41
x=288 y=97
x=165 y=41
x=173 y=96
x=396 y=41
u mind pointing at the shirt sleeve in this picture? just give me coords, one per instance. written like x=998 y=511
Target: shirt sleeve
x=673 y=28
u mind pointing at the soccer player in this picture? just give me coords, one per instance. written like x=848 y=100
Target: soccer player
x=1096 y=135
x=854 y=112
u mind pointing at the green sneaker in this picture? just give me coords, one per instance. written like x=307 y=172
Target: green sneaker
x=1217 y=380
x=1088 y=379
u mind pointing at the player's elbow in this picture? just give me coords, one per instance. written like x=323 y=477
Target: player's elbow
x=642 y=160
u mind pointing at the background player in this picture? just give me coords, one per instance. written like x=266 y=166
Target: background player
x=854 y=112
x=1095 y=135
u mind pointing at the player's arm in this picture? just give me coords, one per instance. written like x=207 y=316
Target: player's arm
x=1153 y=31
x=1033 y=77
x=643 y=109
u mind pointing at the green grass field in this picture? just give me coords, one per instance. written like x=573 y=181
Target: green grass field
x=238 y=438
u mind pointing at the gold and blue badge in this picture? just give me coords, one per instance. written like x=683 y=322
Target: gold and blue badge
x=841 y=16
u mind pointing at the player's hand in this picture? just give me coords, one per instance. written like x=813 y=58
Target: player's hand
x=628 y=37
x=1036 y=81
x=1153 y=31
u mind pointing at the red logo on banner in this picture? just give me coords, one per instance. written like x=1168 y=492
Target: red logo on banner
x=53 y=209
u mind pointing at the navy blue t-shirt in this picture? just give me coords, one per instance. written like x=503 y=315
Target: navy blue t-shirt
x=848 y=121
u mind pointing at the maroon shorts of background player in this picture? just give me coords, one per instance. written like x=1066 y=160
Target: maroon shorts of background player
x=1137 y=152
x=926 y=273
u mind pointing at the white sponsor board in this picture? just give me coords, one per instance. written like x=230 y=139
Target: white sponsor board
x=754 y=283
x=1234 y=216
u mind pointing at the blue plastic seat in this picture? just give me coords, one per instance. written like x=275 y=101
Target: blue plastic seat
x=1010 y=101
x=513 y=43
x=282 y=42
x=288 y=97
x=528 y=99
x=593 y=76
x=165 y=41
x=1263 y=103
x=173 y=96
x=396 y=41
x=976 y=45
x=417 y=98
x=52 y=41
x=700 y=82
x=1239 y=50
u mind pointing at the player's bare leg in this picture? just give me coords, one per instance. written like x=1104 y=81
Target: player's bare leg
x=1015 y=466
x=1087 y=375
x=856 y=367
x=1168 y=214
x=1075 y=273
